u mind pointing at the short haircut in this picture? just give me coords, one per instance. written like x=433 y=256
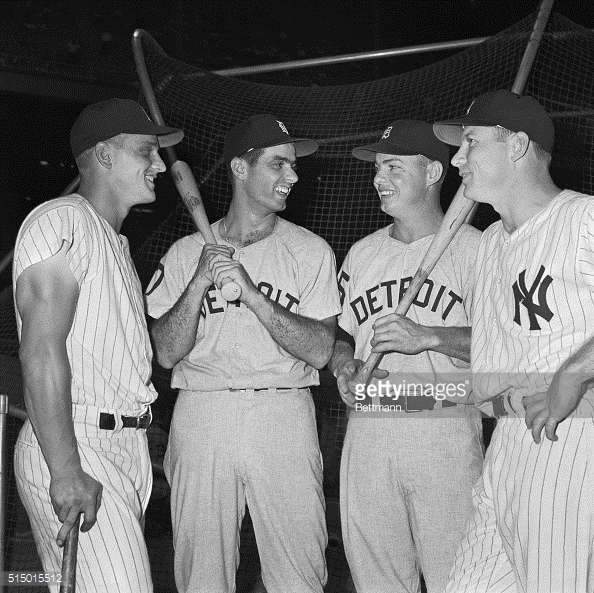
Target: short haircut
x=543 y=156
x=250 y=157
x=85 y=158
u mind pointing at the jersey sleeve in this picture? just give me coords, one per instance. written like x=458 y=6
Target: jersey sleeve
x=319 y=296
x=346 y=319
x=166 y=285
x=586 y=247
x=465 y=259
x=43 y=234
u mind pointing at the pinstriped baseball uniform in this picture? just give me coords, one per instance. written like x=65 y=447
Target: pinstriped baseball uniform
x=406 y=479
x=228 y=443
x=534 y=307
x=110 y=357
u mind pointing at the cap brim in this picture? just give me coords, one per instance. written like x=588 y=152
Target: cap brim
x=368 y=152
x=169 y=136
x=304 y=146
x=450 y=131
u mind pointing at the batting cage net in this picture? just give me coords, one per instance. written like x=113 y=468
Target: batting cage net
x=335 y=197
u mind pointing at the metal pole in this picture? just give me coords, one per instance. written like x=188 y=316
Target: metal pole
x=356 y=57
x=3 y=413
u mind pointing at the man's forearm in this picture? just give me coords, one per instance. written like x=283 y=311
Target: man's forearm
x=305 y=338
x=47 y=392
x=343 y=352
x=174 y=333
x=452 y=341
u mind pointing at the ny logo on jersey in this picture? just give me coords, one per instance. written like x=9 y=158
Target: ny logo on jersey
x=525 y=296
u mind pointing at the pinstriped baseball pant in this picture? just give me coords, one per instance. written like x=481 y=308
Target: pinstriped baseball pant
x=112 y=556
x=405 y=496
x=532 y=530
x=228 y=448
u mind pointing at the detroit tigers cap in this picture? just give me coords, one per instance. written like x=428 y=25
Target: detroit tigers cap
x=262 y=131
x=518 y=113
x=106 y=119
x=407 y=137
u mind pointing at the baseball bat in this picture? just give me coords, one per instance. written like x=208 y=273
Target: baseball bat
x=182 y=174
x=452 y=221
x=69 y=560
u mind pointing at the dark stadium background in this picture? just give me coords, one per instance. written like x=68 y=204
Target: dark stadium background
x=57 y=56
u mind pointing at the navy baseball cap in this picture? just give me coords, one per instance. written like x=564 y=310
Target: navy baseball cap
x=518 y=113
x=262 y=131
x=106 y=119
x=407 y=137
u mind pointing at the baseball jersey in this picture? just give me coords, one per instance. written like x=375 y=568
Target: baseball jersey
x=375 y=275
x=534 y=303
x=108 y=345
x=292 y=266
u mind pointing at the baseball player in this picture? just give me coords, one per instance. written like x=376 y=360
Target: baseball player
x=243 y=428
x=532 y=348
x=86 y=355
x=407 y=469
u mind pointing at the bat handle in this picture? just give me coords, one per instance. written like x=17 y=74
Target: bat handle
x=230 y=291
x=69 y=560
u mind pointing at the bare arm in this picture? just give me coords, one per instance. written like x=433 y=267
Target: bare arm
x=397 y=333
x=46 y=298
x=174 y=333
x=307 y=339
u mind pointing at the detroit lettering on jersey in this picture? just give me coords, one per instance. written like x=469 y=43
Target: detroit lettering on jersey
x=387 y=295
x=214 y=303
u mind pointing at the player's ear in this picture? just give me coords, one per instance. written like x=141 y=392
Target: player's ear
x=239 y=167
x=103 y=154
x=434 y=173
x=519 y=143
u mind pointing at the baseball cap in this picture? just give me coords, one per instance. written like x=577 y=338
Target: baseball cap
x=106 y=119
x=407 y=137
x=518 y=113
x=262 y=131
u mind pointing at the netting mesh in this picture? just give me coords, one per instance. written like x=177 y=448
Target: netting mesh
x=334 y=196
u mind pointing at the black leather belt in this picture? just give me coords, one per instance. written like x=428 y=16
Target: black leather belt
x=108 y=421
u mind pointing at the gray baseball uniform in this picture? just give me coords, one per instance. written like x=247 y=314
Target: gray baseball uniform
x=244 y=427
x=406 y=478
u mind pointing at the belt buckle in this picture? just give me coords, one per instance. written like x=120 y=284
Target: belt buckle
x=140 y=421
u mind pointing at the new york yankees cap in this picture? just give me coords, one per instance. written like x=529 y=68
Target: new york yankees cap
x=518 y=113
x=263 y=131
x=406 y=137
x=106 y=119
